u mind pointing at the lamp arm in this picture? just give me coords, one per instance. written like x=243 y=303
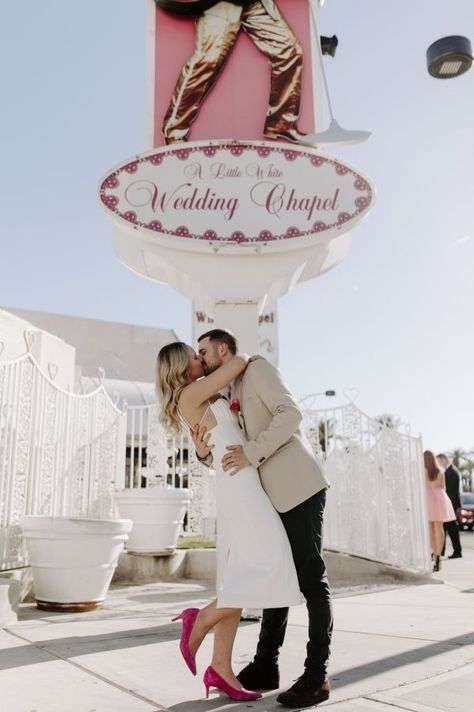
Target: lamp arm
x=321 y=61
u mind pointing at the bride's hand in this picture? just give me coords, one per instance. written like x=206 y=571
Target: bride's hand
x=255 y=358
x=200 y=436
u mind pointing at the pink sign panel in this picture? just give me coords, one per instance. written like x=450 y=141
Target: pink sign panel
x=236 y=106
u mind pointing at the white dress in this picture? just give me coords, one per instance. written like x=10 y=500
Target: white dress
x=255 y=567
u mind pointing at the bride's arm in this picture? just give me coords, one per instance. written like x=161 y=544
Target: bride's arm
x=200 y=391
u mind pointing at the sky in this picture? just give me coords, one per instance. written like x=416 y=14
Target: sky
x=394 y=319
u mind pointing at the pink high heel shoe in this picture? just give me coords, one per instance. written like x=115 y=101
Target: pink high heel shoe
x=213 y=679
x=188 y=616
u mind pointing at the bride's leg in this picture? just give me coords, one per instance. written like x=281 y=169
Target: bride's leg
x=224 y=636
x=207 y=618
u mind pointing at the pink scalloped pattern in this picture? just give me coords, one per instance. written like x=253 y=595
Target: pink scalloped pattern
x=361 y=184
x=112 y=181
x=182 y=153
x=110 y=201
x=155 y=225
x=156 y=159
x=130 y=216
x=237 y=150
x=320 y=226
x=362 y=203
x=343 y=217
x=293 y=232
x=131 y=167
x=209 y=151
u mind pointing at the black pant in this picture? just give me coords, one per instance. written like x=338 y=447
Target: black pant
x=452 y=528
x=304 y=525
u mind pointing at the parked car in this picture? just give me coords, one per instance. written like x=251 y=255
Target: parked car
x=466 y=513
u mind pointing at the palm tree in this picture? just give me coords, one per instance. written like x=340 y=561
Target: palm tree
x=458 y=454
x=323 y=433
x=388 y=420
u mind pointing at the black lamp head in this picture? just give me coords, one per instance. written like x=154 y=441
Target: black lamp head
x=449 y=57
x=328 y=45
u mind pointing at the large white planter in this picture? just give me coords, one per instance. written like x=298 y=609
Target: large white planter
x=157 y=514
x=73 y=560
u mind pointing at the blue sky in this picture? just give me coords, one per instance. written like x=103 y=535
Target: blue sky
x=395 y=319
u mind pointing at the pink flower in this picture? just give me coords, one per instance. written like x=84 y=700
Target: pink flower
x=234 y=405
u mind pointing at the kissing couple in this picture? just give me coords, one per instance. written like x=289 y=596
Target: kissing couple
x=270 y=492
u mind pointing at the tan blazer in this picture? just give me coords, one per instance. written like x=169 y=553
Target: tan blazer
x=288 y=468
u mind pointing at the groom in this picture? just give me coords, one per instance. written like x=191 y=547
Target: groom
x=296 y=486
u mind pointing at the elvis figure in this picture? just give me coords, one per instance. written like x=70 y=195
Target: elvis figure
x=217 y=27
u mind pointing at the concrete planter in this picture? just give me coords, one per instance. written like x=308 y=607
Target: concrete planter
x=73 y=560
x=157 y=514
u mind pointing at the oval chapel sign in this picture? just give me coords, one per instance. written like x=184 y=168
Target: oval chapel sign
x=236 y=192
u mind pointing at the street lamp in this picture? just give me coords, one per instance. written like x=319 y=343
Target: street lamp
x=334 y=133
x=314 y=395
x=449 y=57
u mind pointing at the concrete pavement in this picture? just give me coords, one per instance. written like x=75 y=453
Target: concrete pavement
x=398 y=648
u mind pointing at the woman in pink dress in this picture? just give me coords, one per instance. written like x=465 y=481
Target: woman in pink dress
x=439 y=505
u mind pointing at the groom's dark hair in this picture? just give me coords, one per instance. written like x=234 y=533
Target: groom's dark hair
x=221 y=336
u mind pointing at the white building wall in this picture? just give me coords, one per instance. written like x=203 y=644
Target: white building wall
x=124 y=351
x=55 y=357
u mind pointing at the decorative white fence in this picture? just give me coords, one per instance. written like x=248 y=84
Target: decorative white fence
x=376 y=504
x=155 y=458
x=64 y=454
x=60 y=453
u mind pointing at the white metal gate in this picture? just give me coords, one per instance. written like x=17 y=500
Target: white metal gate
x=60 y=453
x=64 y=454
x=376 y=504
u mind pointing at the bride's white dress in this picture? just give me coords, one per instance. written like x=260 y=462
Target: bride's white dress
x=255 y=567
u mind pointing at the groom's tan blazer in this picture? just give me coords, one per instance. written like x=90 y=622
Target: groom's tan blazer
x=288 y=468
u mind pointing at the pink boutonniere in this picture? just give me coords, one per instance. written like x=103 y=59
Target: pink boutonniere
x=234 y=405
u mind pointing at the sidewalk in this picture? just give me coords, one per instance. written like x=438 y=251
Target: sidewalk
x=403 y=648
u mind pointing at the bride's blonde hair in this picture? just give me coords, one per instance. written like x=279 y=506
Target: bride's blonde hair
x=171 y=376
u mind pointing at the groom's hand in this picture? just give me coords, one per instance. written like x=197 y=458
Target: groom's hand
x=234 y=460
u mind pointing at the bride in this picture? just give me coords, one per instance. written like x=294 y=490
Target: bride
x=255 y=567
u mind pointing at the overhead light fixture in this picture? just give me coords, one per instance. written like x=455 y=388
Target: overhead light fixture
x=449 y=57
x=328 y=45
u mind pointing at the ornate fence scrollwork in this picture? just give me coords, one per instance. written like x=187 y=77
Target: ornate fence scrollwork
x=154 y=457
x=60 y=452
x=64 y=454
x=376 y=504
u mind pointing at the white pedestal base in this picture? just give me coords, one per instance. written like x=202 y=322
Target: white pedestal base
x=10 y=592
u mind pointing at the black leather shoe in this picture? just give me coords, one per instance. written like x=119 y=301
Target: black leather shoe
x=292 y=135
x=306 y=692
x=455 y=555
x=260 y=675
